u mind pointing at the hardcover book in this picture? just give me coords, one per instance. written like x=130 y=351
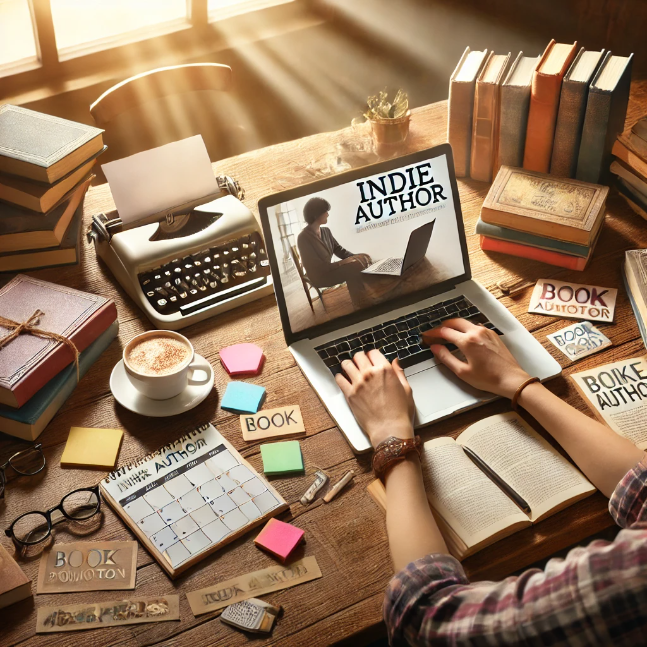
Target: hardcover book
x=534 y=253
x=635 y=278
x=23 y=229
x=67 y=253
x=481 y=512
x=623 y=150
x=617 y=395
x=29 y=421
x=570 y=116
x=513 y=117
x=462 y=84
x=42 y=147
x=633 y=198
x=540 y=204
x=14 y=584
x=637 y=137
x=606 y=111
x=486 y=117
x=524 y=238
x=544 y=101
x=42 y=197
x=28 y=362
x=632 y=177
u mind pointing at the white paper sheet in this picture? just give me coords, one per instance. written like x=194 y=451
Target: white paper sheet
x=161 y=178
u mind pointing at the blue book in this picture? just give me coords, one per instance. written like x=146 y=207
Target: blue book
x=28 y=421
x=514 y=236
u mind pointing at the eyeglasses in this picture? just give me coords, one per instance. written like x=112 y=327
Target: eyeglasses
x=33 y=527
x=28 y=462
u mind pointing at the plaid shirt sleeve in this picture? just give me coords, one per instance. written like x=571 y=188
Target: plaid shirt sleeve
x=596 y=596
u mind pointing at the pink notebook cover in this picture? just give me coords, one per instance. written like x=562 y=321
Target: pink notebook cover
x=28 y=362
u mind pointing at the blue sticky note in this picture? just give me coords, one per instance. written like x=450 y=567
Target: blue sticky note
x=242 y=397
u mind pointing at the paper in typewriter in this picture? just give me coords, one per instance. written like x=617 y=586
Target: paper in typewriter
x=159 y=179
x=191 y=497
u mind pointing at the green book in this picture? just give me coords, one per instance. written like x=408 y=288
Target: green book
x=282 y=458
x=514 y=236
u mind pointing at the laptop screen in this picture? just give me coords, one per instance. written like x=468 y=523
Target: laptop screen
x=339 y=247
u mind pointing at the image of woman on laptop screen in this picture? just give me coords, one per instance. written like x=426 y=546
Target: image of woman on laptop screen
x=317 y=246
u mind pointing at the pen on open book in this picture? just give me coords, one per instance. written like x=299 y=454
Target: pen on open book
x=498 y=480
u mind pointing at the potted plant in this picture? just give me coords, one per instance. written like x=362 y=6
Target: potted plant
x=389 y=119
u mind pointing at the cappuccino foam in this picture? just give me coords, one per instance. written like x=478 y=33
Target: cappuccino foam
x=158 y=355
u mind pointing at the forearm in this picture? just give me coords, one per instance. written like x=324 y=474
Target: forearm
x=411 y=527
x=603 y=455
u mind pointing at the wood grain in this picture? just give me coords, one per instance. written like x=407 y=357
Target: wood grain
x=347 y=536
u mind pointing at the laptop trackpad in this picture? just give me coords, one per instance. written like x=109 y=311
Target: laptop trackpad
x=438 y=389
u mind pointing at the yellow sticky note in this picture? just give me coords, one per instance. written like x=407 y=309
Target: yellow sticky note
x=94 y=448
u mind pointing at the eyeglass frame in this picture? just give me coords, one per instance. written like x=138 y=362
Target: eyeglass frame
x=48 y=516
x=3 y=468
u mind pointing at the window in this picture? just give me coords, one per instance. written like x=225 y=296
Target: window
x=289 y=227
x=219 y=9
x=17 y=41
x=80 y=22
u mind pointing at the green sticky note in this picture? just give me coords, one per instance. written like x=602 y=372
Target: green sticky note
x=282 y=458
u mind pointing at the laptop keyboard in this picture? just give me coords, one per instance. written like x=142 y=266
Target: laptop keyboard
x=401 y=337
x=388 y=265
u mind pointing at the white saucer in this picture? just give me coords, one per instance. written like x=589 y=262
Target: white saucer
x=130 y=398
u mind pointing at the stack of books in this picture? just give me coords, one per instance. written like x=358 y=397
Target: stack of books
x=630 y=166
x=45 y=170
x=559 y=112
x=540 y=217
x=38 y=374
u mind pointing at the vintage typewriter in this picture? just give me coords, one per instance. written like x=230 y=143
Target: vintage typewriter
x=190 y=262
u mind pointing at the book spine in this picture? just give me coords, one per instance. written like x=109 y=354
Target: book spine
x=568 y=129
x=459 y=124
x=514 y=105
x=481 y=160
x=623 y=151
x=62 y=355
x=634 y=306
x=594 y=133
x=533 y=253
x=542 y=115
x=524 y=238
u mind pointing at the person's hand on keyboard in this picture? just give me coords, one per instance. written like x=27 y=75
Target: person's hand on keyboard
x=379 y=396
x=488 y=364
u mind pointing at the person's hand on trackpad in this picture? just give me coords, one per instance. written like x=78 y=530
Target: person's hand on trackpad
x=488 y=366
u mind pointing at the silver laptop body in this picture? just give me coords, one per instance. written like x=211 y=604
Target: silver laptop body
x=437 y=392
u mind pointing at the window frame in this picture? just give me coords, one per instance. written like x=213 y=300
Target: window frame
x=64 y=70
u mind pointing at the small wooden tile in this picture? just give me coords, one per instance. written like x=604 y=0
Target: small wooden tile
x=242 y=359
x=92 y=448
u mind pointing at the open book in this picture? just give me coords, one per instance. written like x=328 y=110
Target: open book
x=471 y=510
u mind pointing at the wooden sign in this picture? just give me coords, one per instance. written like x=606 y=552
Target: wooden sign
x=573 y=300
x=132 y=611
x=579 y=340
x=274 y=578
x=88 y=566
x=283 y=421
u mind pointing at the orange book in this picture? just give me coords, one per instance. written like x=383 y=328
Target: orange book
x=544 y=102
x=486 y=116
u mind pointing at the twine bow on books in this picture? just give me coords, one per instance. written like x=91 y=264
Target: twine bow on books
x=29 y=326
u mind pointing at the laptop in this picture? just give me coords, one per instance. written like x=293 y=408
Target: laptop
x=416 y=250
x=373 y=210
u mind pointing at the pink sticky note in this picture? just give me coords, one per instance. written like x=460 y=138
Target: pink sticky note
x=279 y=538
x=242 y=359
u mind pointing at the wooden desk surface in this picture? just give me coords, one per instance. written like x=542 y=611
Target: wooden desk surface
x=348 y=535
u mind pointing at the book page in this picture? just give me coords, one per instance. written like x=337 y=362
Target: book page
x=527 y=463
x=617 y=395
x=474 y=507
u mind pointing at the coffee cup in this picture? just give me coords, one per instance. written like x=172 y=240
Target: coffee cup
x=160 y=364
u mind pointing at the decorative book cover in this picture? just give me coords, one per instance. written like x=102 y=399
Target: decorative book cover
x=33 y=143
x=14 y=584
x=190 y=498
x=540 y=204
x=28 y=362
x=29 y=421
